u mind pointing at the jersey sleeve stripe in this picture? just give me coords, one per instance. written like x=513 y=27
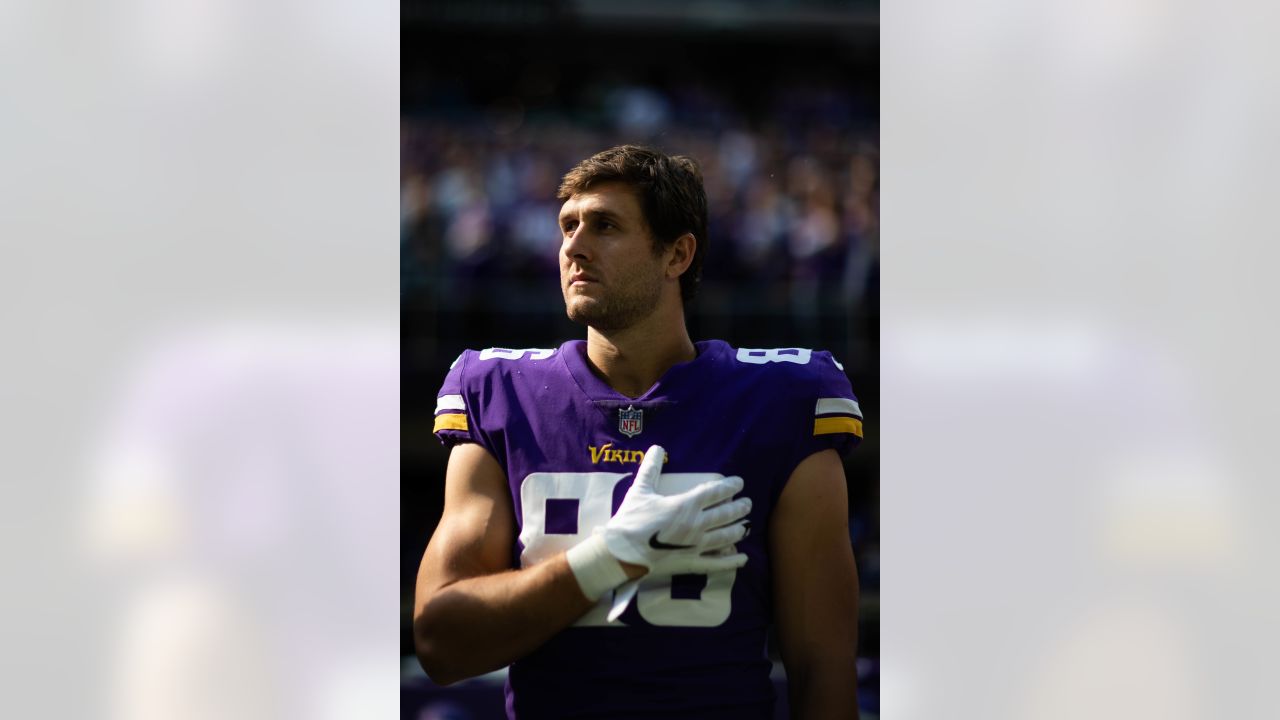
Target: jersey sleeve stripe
x=451 y=421
x=449 y=402
x=832 y=425
x=827 y=406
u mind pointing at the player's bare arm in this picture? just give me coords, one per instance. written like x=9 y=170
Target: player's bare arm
x=472 y=614
x=816 y=590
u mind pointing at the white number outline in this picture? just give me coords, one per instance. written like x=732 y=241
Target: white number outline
x=773 y=355
x=496 y=353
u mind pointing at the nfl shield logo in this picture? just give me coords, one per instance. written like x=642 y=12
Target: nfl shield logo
x=630 y=421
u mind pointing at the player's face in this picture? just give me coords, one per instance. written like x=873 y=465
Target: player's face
x=609 y=273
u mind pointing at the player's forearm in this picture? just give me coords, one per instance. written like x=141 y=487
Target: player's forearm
x=480 y=624
x=829 y=690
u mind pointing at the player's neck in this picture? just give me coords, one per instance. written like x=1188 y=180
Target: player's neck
x=632 y=360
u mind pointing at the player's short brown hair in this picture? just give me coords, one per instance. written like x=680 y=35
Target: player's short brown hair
x=670 y=191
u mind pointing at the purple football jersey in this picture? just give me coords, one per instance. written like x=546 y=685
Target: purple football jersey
x=688 y=646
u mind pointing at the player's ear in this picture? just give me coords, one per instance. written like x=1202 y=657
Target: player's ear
x=681 y=255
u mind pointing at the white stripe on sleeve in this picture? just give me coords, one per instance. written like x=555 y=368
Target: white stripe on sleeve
x=838 y=405
x=449 y=402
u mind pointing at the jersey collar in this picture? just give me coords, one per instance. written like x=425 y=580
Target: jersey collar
x=674 y=383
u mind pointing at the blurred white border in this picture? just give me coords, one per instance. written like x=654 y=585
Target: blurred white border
x=1078 y=375
x=199 y=209
x=1077 y=358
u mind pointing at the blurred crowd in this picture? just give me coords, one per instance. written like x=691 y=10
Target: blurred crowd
x=792 y=185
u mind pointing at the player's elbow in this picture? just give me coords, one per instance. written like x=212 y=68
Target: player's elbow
x=433 y=653
x=437 y=668
x=433 y=659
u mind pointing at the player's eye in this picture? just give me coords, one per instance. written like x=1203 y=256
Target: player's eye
x=569 y=226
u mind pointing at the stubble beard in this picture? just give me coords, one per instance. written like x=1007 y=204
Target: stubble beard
x=617 y=309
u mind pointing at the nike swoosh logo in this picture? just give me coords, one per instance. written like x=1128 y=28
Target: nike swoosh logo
x=657 y=544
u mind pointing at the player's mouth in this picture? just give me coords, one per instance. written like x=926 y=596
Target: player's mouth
x=581 y=280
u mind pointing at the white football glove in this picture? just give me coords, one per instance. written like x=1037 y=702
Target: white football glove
x=712 y=556
x=649 y=528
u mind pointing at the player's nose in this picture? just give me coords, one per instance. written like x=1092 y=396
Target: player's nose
x=576 y=245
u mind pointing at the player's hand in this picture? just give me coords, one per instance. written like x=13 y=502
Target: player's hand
x=715 y=554
x=649 y=526
x=685 y=533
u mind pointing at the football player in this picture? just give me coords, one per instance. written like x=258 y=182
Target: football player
x=625 y=517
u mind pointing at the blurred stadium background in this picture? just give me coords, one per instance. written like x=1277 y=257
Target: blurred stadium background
x=779 y=102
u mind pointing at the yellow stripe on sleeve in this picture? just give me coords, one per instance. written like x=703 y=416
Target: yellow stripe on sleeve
x=451 y=421
x=829 y=425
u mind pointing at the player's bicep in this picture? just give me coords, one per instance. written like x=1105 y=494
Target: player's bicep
x=476 y=529
x=815 y=585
